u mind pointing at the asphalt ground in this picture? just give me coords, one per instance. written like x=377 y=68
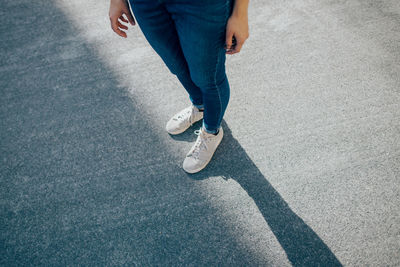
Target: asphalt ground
x=307 y=173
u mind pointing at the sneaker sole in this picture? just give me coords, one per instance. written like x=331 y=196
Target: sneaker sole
x=178 y=132
x=205 y=165
x=182 y=130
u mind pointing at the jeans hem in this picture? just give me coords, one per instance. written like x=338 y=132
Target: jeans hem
x=194 y=104
x=212 y=131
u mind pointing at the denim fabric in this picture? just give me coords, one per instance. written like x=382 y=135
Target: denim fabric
x=189 y=36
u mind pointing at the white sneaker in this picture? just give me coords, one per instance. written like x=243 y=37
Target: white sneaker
x=182 y=120
x=202 y=151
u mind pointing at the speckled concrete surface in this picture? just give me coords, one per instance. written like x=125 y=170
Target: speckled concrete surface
x=307 y=173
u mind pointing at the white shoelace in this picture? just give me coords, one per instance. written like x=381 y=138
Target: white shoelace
x=201 y=144
x=182 y=116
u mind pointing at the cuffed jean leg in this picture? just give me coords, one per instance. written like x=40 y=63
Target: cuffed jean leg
x=201 y=28
x=159 y=29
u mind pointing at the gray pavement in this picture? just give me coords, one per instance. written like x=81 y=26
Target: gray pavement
x=307 y=173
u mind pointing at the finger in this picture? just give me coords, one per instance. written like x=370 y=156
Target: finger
x=120 y=32
x=130 y=18
x=230 y=52
x=228 y=39
x=122 y=26
x=123 y=18
x=114 y=27
x=238 y=46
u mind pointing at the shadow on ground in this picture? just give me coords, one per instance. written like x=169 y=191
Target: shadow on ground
x=80 y=180
x=301 y=244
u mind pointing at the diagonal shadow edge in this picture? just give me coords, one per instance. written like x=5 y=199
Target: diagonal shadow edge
x=74 y=189
x=302 y=245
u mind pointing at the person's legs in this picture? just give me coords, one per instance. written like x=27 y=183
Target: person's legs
x=201 y=27
x=159 y=29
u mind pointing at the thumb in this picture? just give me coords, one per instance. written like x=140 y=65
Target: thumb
x=228 y=40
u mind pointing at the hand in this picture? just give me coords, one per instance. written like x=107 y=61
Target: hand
x=237 y=27
x=117 y=9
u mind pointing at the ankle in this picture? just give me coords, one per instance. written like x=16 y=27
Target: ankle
x=199 y=107
x=211 y=132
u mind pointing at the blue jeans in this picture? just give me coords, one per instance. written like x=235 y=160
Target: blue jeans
x=189 y=36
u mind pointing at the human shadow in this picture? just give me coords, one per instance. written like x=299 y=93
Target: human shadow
x=301 y=244
x=85 y=180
